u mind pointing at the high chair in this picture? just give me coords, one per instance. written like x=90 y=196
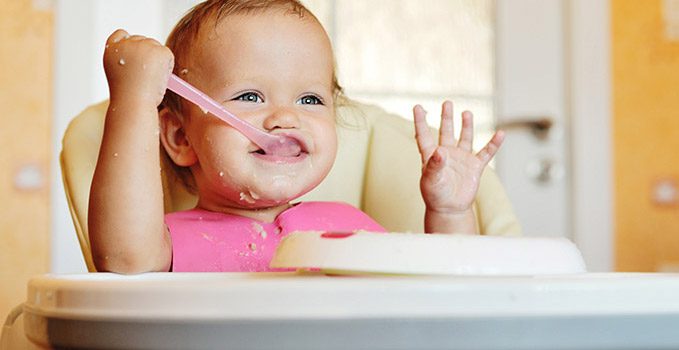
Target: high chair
x=377 y=170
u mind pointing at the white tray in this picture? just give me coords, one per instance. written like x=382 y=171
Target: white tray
x=427 y=254
x=315 y=311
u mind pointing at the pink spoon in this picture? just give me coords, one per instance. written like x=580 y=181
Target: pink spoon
x=271 y=144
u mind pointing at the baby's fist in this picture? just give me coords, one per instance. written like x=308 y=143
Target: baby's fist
x=137 y=68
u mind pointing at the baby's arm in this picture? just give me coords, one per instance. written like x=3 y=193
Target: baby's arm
x=451 y=172
x=126 y=217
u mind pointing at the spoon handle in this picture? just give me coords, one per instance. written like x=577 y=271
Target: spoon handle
x=207 y=104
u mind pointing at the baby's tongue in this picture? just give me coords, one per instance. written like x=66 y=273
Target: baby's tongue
x=285 y=147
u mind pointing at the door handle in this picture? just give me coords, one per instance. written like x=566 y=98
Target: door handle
x=538 y=126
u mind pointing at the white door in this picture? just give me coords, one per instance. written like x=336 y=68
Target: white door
x=530 y=83
x=552 y=96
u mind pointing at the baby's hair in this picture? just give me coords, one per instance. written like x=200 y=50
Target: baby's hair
x=188 y=28
x=181 y=39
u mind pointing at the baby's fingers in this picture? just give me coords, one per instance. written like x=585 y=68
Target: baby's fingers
x=447 y=130
x=425 y=142
x=487 y=153
x=467 y=134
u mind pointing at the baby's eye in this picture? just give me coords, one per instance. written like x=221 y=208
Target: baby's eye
x=310 y=100
x=249 y=97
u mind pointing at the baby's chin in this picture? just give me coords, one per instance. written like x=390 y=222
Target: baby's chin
x=252 y=199
x=275 y=191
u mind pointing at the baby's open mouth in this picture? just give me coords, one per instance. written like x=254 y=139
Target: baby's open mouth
x=285 y=147
x=292 y=148
x=281 y=153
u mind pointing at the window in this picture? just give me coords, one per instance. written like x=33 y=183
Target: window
x=396 y=53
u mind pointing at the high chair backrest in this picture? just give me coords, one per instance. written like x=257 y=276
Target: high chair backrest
x=377 y=169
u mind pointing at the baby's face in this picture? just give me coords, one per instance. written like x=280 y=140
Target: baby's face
x=275 y=71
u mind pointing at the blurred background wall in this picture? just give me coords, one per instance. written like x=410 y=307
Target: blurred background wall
x=645 y=64
x=26 y=78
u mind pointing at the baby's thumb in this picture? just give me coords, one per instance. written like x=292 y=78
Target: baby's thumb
x=116 y=36
x=436 y=162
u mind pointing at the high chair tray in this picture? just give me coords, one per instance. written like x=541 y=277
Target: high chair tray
x=316 y=311
x=427 y=254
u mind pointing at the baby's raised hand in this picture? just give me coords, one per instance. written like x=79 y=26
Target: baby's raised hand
x=451 y=172
x=137 y=68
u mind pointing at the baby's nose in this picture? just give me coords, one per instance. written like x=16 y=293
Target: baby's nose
x=281 y=118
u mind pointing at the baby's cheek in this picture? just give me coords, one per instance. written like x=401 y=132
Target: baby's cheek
x=318 y=170
x=328 y=152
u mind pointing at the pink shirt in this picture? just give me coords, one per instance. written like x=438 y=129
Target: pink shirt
x=209 y=241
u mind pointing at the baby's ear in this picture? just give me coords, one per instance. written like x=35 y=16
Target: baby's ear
x=174 y=140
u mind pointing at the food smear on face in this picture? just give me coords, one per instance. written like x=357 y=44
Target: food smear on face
x=246 y=197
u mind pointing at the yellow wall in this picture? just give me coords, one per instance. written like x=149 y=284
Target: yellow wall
x=26 y=102
x=646 y=134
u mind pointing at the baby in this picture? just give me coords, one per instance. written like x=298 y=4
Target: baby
x=269 y=62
